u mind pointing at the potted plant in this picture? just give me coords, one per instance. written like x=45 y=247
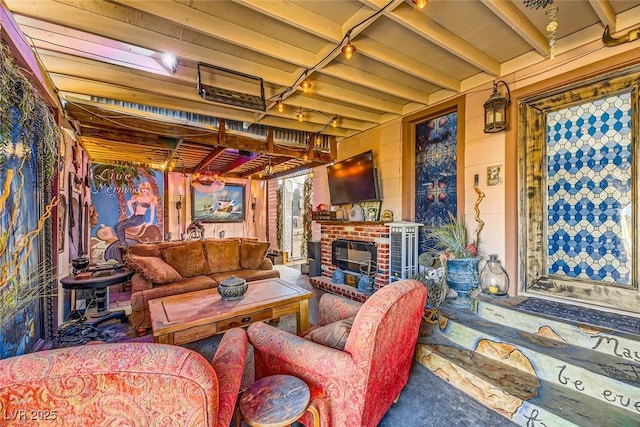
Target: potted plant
x=458 y=256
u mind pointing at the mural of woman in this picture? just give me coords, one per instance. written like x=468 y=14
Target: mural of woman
x=140 y=203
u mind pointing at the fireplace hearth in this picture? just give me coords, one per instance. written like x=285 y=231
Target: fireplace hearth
x=352 y=255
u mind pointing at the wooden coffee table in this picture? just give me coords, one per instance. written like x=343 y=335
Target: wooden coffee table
x=179 y=319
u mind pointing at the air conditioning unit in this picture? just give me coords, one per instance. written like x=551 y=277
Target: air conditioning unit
x=403 y=250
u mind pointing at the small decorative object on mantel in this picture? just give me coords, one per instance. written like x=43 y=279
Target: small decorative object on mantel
x=232 y=288
x=387 y=216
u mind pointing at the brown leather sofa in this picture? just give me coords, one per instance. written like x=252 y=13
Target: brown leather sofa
x=170 y=268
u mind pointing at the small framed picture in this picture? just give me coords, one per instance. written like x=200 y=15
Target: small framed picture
x=494 y=175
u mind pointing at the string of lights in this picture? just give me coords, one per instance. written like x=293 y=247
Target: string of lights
x=348 y=50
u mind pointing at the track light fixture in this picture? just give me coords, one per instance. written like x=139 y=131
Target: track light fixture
x=170 y=62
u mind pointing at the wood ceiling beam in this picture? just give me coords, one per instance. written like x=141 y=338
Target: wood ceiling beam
x=204 y=23
x=406 y=16
x=201 y=22
x=257 y=170
x=514 y=18
x=58 y=37
x=210 y=157
x=605 y=12
x=236 y=164
x=332 y=32
x=84 y=69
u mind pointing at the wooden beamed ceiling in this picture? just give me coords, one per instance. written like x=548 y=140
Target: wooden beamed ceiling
x=407 y=59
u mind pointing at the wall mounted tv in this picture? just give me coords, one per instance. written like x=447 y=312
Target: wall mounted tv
x=354 y=180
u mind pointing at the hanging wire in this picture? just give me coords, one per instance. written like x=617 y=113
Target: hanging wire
x=283 y=94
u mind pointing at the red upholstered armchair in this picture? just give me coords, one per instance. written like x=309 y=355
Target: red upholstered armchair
x=134 y=384
x=360 y=382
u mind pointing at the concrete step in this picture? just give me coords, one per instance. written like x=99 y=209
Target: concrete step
x=527 y=368
x=515 y=394
x=552 y=360
x=587 y=332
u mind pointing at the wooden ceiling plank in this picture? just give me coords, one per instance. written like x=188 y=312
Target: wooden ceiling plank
x=115 y=76
x=605 y=12
x=210 y=157
x=206 y=24
x=513 y=17
x=298 y=17
x=431 y=30
x=406 y=64
x=236 y=164
x=374 y=82
x=193 y=19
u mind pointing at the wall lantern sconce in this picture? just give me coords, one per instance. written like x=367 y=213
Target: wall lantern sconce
x=495 y=109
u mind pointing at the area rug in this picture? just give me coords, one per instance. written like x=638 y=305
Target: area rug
x=616 y=321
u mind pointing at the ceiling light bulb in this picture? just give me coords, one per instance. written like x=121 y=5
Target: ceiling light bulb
x=300 y=116
x=349 y=50
x=306 y=85
x=280 y=106
x=318 y=140
x=552 y=26
x=334 y=122
x=420 y=3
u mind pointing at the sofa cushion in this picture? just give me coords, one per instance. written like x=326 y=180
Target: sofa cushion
x=252 y=254
x=332 y=335
x=223 y=255
x=188 y=259
x=154 y=269
x=151 y=249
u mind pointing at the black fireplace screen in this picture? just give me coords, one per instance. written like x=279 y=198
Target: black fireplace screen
x=350 y=255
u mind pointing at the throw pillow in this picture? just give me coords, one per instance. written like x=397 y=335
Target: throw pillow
x=153 y=269
x=252 y=254
x=332 y=335
x=223 y=255
x=188 y=259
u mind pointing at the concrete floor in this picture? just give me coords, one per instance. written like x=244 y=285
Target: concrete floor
x=427 y=400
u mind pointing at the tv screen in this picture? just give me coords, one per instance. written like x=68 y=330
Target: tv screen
x=353 y=180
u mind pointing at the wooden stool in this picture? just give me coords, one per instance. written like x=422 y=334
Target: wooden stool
x=276 y=401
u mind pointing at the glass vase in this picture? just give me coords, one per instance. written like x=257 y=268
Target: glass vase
x=493 y=278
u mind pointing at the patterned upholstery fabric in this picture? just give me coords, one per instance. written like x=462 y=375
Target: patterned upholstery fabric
x=361 y=382
x=130 y=384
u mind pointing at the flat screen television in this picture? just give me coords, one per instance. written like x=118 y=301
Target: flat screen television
x=354 y=180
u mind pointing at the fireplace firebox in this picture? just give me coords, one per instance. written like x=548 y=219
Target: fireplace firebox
x=350 y=255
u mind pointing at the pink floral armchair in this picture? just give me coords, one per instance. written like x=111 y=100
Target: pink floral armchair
x=134 y=384
x=357 y=385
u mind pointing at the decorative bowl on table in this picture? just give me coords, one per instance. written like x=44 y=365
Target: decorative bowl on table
x=80 y=264
x=232 y=288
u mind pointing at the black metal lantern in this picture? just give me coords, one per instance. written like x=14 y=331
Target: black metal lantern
x=495 y=110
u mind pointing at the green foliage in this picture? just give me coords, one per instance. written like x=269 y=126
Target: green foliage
x=280 y=215
x=19 y=99
x=307 y=196
x=451 y=240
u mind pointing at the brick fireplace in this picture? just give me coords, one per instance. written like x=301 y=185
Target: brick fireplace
x=375 y=232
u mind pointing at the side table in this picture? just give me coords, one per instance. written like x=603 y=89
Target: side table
x=276 y=401
x=99 y=282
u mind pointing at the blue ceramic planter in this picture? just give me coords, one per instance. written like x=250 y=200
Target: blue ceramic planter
x=462 y=276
